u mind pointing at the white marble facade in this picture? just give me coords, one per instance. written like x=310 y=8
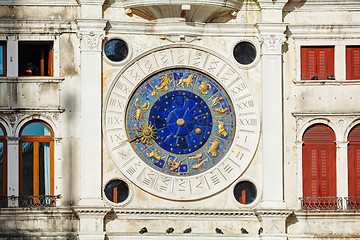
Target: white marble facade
x=163 y=34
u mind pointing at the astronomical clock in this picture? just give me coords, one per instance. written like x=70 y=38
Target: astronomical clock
x=181 y=122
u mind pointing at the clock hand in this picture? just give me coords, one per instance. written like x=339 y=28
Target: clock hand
x=146 y=133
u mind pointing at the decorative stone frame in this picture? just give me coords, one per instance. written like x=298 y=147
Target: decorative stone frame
x=257 y=57
x=22 y=121
x=128 y=57
x=341 y=124
x=258 y=193
x=127 y=200
x=226 y=170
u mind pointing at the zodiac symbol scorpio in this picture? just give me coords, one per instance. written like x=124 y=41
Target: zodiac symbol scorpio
x=140 y=109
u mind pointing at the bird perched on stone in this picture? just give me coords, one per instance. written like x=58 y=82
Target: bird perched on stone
x=260 y=230
x=143 y=230
x=218 y=231
x=188 y=230
x=316 y=77
x=244 y=231
x=169 y=230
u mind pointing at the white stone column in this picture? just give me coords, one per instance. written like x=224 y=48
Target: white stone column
x=342 y=187
x=299 y=147
x=91 y=222
x=272 y=37
x=91 y=33
x=13 y=170
x=12 y=56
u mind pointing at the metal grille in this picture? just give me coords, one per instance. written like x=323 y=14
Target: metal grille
x=29 y=201
x=352 y=203
x=321 y=203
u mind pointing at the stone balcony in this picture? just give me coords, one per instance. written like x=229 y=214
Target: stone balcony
x=189 y=10
x=19 y=94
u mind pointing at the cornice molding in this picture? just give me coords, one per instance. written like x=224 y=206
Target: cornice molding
x=38 y=3
x=318 y=114
x=31 y=79
x=324 y=31
x=322 y=5
x=275 y=4
x=91 y=2
x=181 y=28
x=7 y=110
x=204 y=213
x=25 y=26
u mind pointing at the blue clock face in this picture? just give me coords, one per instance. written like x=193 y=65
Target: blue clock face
x=180 y=122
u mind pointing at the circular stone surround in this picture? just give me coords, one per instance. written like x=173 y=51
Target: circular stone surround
x=179 y=187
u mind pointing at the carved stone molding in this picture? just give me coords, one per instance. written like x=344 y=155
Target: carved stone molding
x=91 y=33
x=272 y=43
x=91 y=41
x=272 y=37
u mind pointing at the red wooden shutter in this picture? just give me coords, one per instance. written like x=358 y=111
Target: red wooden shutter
x=352 y=63
x=317 y=61
x=354 y=162
x=319 y=165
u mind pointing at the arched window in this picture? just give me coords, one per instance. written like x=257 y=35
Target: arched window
x=3 y=165
x=354 y=162
x=319 y=167
x=36 y=163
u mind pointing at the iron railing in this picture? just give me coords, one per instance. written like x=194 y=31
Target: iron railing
x=352 y=203
x=29 y=201
x=321 y=203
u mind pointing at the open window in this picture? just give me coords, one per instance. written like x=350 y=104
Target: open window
x=2 y=58
x=36 y=165
x=35 y=58
x=353 y=62
x=317 y=63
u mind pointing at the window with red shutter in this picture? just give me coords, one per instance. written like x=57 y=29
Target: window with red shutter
x=319 y=165
x=317 y=61
x=353 y=62
x=354 y=162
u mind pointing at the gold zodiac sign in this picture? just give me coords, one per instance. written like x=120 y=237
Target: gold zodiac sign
x=198 y=156
x=187 y=81
x=174 y=165
x=154 y=154
x=216 y=100
x=221 y=110
x=165 y=81
x=213 y=148
x=140 y=109
x=221 y=128
x=199 y=165
x=203 y=87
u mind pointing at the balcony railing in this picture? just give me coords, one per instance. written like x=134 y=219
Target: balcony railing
x=29 y=201
x=321 y=203
x=352 y=203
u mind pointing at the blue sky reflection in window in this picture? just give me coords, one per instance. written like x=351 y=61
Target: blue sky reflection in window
x=35 y=129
